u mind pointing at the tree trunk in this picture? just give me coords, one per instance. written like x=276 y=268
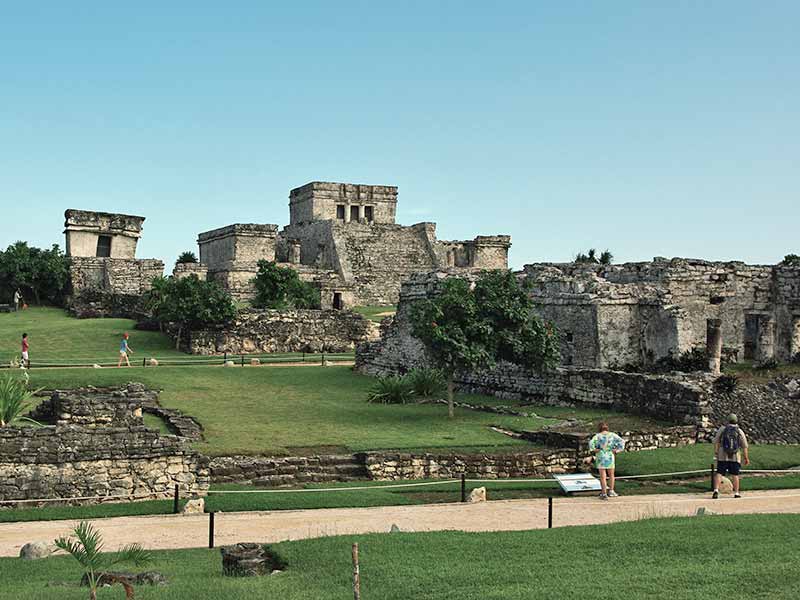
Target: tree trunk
x=178 y=338
x=92 y=594
x=450 y=386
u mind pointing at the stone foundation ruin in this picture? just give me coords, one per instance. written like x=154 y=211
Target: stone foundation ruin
x=94 y=444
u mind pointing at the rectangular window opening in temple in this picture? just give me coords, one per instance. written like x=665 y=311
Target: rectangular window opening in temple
x=103 y=246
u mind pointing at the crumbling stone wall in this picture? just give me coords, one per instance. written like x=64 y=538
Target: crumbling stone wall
x=265 y=331
x=82 y=229
x=96 y=448
x=182 y=270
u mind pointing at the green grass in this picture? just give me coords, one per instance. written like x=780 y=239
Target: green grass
x=277 y=410
x=55 y=336
x=376 y=313
x=747 y=374
x=668 y=559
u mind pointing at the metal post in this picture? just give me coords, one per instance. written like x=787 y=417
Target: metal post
x=211 y=529
x=550 y=512
x=144 y=364
x=175 y=501
x=242 y=359
x=356 y=574
x=713 y=471
x=225 y=358
x=463 y=487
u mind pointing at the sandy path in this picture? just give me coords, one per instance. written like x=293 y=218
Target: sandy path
x=191 y=531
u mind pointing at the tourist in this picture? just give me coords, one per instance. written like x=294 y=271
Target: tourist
x=124 y=350
x=730 y=445
x=26 y=361
x=605 y=445
x=17 y=299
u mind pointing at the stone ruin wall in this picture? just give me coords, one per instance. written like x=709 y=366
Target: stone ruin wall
x=264 y=331
x=82 y=229
x=636 y=313
x=96 y=445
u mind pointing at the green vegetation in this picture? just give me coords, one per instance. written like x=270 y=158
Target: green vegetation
x=281 y=288
x=40 y=274
x=675 y=559
x=56 y=337
x=188 y=302
x=606 y=258
x=791 y=260
x=85 y=545
x=467 y=327
x=376 y=313
x=748 y=371
x=15 y=399
x=391 y=390
x=187 y=257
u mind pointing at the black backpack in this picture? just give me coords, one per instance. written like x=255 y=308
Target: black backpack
x=730 y=440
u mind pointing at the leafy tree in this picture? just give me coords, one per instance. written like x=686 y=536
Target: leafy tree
x=606 y=258
x=41 y=274
x=186 y=257
x=85 y=545
x=281 y=288
x=188 y=302
x=466 y=327
x=792 y=260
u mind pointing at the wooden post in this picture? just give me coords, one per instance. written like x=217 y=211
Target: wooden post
x=175 y=500
x=211 y=530
x=550 y=512
x=463 y=487
x=713 y=469
x=356 y=574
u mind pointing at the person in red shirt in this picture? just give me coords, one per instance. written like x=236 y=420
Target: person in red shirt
x=26 y=361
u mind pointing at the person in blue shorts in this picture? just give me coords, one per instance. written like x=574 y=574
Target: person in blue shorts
x=605 y=445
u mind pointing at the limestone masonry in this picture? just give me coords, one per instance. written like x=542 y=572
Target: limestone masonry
x=343 y=238
x=106 y=278
x=95 y=444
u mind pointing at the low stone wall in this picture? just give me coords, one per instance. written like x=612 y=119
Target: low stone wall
x=284 y=331
x=674 y=398
x=286 y=470
x=97 y=445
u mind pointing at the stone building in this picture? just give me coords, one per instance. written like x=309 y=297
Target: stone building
x=343 y=237
x=106 y=278
x=635 y=313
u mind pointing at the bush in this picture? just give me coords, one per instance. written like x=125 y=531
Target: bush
x=689 y=361
x=40 y=274
x=15 y=400
x=767 y=365
x=726 y=384
x=281 y=288
x=427 y=382
x=606 y=258
x=792 y=260
x=186 y=258
x=391 y=390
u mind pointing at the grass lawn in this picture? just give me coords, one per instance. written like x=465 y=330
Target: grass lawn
x=376 y=313
x=277 y=410
x=55 y=336
x=668 y=559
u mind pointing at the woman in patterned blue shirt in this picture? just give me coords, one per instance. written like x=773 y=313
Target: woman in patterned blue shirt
x=605 y=445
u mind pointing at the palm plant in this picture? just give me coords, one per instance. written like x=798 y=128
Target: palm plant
x=15 y=400
x=391 y=390
x=427 y=382
x=86 y=546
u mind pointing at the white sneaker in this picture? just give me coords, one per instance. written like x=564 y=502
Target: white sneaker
x=612 y=494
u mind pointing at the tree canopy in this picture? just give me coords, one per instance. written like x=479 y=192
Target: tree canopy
x=606 y=258
x=40 y=274
x=189 y=302
x=281 y=288
x=467 y=326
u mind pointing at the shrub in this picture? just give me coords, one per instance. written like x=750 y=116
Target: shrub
x=40 y=274
x=726 y=384
x=186 y=257
x=427 y=382
x=281 y=288
x=391 y=390
x=792 y=260
x=688 y=361
x=606 y=258
x=769 y=364
x=15 y=400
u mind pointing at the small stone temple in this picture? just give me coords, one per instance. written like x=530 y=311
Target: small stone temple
x=343 y=237
x=106 y=278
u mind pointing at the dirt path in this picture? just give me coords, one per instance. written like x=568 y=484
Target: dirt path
x=191 y=531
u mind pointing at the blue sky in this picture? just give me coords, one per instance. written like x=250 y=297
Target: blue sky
x=650 y=128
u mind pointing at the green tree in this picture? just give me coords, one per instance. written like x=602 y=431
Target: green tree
x=85 y=545
x=792 y=260
x=188 y=303
x=466 y=327
x=186 y=257
x=38 y=273
x=606 y=258
x=281 y=288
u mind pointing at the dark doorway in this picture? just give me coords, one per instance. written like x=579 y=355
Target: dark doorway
x=104 y=246
x=750 y=336
x=369 y=213
x=340 y=212
x=337 y=301
x=354 y=213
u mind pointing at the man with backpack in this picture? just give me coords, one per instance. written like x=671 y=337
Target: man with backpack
x=730 y=444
